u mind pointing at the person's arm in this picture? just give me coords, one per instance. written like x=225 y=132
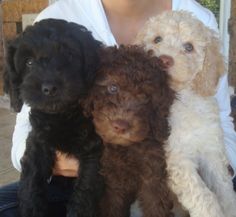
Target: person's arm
x=20 y=134
x=223 y=99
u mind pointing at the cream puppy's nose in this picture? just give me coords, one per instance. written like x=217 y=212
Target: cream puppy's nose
x=167 y=61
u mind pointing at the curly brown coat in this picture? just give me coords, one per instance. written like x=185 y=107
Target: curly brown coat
x=130 y=104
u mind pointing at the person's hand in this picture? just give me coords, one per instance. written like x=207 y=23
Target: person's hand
x=65 y=165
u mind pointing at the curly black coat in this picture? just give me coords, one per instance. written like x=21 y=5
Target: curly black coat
x=51 y=66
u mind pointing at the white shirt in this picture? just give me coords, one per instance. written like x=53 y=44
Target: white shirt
x=91 y=14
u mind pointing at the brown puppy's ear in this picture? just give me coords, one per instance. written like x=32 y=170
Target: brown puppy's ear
x=162 y=105
x=205 y=82
x=162 y=99
x=11 y=78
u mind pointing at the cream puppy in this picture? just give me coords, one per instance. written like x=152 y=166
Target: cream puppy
x=195 y=152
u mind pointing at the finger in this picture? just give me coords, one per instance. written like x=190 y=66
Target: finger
x=67 y=163
x=66 y=173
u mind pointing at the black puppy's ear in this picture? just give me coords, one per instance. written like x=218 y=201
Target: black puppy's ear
x=88 y=47
x=91 y=61
x=11 y=78
x=91 y=58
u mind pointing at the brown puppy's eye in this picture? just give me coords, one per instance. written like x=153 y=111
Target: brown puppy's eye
x=157 y=39
x=113 y=89
x=188 y=47
x=29 y=62
x=83 y=133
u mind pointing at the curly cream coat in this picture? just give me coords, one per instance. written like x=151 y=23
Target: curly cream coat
x=195 y=151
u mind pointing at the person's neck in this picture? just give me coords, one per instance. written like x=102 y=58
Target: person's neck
x=130 y=15
x=135 y=8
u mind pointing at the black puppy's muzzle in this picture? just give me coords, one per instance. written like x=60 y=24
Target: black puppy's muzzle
x=49 y=89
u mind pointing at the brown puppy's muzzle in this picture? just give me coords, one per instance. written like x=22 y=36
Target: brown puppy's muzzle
x=120 y=126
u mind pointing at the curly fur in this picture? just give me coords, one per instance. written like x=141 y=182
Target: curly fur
x=130 y=94
x=196 y=156
x=51 y=66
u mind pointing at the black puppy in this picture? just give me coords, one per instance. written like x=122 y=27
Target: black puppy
x=51 y=66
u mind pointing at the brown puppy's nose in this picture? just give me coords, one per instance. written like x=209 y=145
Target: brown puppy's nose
x=120 y=126
x=167 y=61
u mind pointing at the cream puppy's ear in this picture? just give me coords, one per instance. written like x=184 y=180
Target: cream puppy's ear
x=205 y=81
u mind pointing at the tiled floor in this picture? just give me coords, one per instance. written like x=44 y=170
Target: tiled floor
x=7 y=172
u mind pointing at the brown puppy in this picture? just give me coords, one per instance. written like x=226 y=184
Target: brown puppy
x=130 y=104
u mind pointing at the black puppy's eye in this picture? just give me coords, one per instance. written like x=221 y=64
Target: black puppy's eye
x=113 y=89
x=157 y=39
x=29 y=62
x=188 y=47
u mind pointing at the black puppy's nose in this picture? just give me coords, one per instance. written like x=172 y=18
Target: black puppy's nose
x=49 y=89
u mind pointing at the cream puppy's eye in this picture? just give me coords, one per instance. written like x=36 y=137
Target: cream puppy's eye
x=113 y=89
x=157 y=40
x=29 y=62
x=188 y=47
